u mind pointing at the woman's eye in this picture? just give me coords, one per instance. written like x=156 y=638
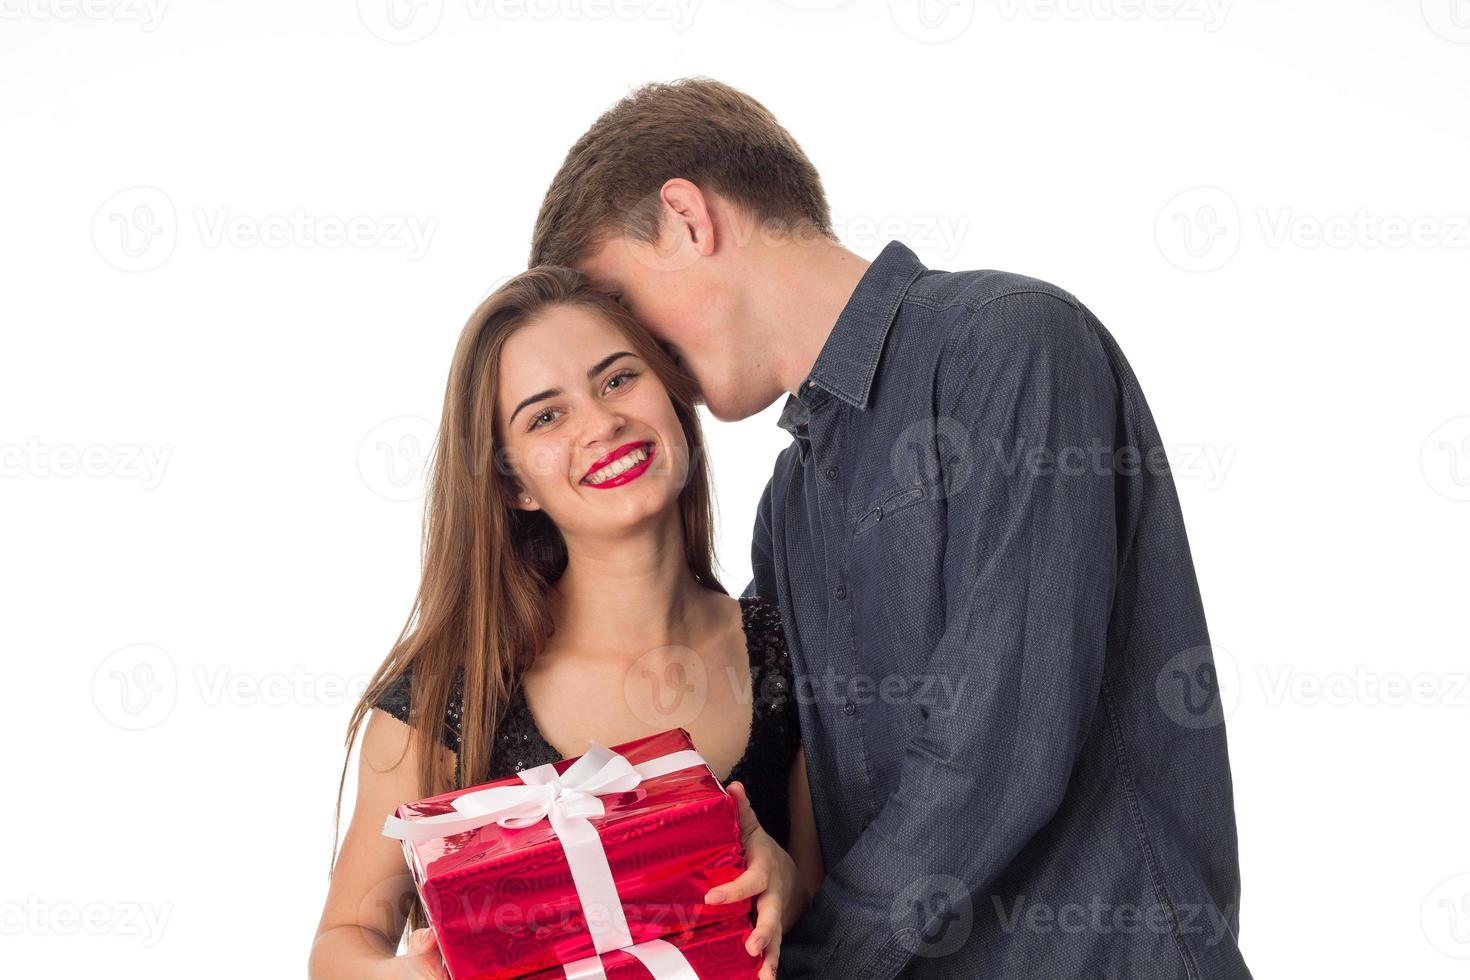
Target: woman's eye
x=536 y=422
x=623 y=376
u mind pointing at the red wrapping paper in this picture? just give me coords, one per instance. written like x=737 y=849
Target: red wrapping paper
x=716 y=952
x=502 y=902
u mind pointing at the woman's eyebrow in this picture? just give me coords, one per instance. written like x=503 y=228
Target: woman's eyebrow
x=592 y=372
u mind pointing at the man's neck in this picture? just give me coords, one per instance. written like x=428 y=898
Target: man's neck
x=804 y=289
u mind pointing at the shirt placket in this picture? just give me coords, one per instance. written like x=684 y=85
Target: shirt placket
x=842 y=688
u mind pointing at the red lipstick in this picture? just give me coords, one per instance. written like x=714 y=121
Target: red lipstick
x=628 y=475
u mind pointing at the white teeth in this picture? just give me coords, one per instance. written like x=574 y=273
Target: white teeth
x=619 y=465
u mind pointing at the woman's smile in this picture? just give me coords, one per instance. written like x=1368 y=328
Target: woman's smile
x=623 y=465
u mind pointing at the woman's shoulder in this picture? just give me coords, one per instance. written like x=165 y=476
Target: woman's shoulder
x=764 y=633
x=397 y=700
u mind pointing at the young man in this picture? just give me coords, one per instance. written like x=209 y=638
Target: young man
x=1014 y=744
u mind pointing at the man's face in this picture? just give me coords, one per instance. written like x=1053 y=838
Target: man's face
x=678 y=297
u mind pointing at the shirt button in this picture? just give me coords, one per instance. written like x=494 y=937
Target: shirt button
x=849 y=709
x=831 y=473
x=840 y=592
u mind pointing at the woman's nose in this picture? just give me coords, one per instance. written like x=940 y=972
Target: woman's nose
x=602 y=423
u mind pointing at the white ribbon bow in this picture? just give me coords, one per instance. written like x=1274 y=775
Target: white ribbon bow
x=566 y=800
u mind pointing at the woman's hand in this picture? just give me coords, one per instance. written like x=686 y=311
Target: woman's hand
x=420 y=962
x=770 y=877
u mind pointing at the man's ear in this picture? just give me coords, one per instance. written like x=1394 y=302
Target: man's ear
x=688 y=217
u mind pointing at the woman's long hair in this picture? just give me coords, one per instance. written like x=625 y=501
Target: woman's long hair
x=482 y=613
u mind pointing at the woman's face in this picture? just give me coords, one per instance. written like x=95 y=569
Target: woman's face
x=588 y=429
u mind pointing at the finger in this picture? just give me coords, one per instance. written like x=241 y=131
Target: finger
x=767 y=923
x=772 y=958
x=421 y=941
x=752 y=881
x=748 y=822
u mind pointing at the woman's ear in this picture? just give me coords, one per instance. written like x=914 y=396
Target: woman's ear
x=524 y=501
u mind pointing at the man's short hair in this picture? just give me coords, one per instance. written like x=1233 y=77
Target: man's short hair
x=696 y=128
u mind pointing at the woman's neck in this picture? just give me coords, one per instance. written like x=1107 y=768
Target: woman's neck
x=620 y=598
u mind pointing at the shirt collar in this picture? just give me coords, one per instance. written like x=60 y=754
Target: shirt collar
x=849 y=358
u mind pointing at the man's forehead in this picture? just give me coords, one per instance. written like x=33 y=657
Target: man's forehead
x=605 y=264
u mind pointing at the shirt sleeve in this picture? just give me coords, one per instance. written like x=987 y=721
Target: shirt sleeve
x=762 y=567
x=1029 y=571
x=396 y=700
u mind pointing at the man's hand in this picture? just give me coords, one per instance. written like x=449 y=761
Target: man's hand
x=770 y=877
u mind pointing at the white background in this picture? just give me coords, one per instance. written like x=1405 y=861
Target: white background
x=212 y=415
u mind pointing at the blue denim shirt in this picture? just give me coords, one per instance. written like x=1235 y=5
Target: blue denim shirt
x=1014 y=737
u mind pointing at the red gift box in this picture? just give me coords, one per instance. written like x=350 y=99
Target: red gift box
x=503 y=902
x=715 y=952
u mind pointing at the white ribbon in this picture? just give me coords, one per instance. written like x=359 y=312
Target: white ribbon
x=662 y=959
x=566 y=800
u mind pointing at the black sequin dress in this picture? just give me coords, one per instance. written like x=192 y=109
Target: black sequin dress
x=763 y=769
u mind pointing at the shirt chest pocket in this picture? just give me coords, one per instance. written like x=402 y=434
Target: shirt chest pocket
x=890 y=505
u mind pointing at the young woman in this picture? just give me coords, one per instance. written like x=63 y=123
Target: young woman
x=567 y=596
